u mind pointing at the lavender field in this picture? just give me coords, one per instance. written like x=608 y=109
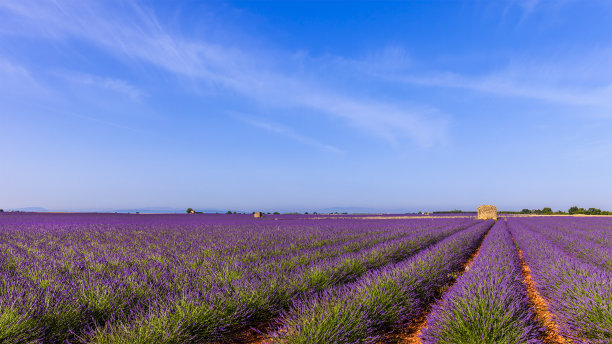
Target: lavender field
x=204 y=278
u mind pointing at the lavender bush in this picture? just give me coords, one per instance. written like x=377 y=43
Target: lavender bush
x=488 y=303
x=580 y=294
x=358 y=312
x=78 y=277
x=119 y=278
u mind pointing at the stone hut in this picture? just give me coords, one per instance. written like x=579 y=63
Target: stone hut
x=486 y=212
x=258 y=214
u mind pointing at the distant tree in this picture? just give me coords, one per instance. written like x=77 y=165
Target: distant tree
x=276 y=213
x=229 y=212
x=593 y=211
x=1 y=210
x=235 y=212
x=525 y=211
x=315 y=213
x=189 y=210
x=305 y=213
x=547 y=211
x=576 y=210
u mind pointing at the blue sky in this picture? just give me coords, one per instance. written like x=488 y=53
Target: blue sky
x=416 y=105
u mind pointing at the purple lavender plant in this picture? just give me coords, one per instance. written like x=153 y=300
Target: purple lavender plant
x=72 y=277
x=579 y=294
x=359 y=312
x=488 y=303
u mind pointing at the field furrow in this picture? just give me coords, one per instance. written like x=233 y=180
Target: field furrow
x=488 y=304
x=576 y=243
x=113 y=278
x=69 y=278
x=222 y=313
x=361 y=311
x=579 y=294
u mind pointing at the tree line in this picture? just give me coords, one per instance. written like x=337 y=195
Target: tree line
x=571 y=211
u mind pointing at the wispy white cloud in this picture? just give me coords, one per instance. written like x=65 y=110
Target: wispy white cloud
x=136 y=35
x=17 y=79
x=531 y=7
x=579 y=80
x=502 y=85
x=111 y=84
x=286 y=132
x=528 y=6
x=21 y=88
x=7 y=67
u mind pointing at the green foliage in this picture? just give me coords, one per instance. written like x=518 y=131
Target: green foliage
x=481 y=320
x=183 y=321
x=591 y=211
x=60 y=322
x=189 y=210
x=17 y=328
x=335 y=322
x=575 y=210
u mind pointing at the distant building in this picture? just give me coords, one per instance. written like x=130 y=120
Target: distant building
x=258 y=214
x=487 y=212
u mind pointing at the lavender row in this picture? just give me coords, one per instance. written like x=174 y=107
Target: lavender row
x=597 y=229
x=63 y=274
x=488 y=303
x=575 y=242
x=72 y=250
x=38 y=280
x=579 y=294
x=220 y=313
x=67 y=260
x=359 y=312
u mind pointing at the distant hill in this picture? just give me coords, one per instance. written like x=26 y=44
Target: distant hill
x=32 y=209
x=163 y=210
x=155 y=210
x=362 y=210
x=171 y=210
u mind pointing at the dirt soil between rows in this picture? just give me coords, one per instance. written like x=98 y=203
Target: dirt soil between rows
x=411 y=333
x=540 y=306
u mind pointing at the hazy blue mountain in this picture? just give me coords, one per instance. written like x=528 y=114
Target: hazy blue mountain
x=33 y=209
x=362 y=210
